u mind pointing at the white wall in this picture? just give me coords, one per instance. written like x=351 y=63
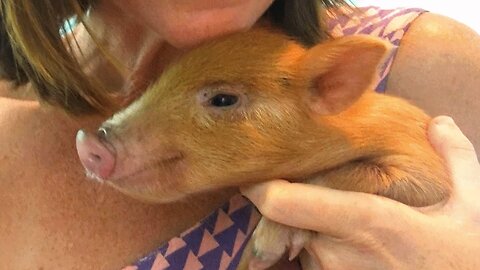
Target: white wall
x=461 y=10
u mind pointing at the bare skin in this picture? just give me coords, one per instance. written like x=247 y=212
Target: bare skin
x=47 y=207
x=441 y=59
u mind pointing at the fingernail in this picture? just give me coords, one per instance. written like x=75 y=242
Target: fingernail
x=444 y=120
x=248 y=191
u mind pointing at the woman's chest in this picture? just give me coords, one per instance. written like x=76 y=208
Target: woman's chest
x=51 y=217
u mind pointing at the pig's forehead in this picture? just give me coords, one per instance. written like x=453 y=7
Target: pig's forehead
x=240 y=57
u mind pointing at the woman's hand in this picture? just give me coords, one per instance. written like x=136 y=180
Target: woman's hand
x=363 y=231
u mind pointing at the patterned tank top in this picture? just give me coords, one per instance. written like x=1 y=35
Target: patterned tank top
x=217 y=241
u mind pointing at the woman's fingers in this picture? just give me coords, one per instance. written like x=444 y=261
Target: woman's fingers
x=332 y=212
x=458 y=153
x=449 y=141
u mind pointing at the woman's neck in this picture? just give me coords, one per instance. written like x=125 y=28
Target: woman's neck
x=136 y=55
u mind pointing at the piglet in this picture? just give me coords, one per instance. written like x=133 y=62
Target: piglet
x=257 y=106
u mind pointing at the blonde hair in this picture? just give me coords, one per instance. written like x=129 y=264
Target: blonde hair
x=32 y=48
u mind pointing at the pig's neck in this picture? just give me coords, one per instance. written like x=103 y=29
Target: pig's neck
x=368 y=129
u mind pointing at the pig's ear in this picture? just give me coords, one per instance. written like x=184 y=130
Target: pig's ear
x=340 y=71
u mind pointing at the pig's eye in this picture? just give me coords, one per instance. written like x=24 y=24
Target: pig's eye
x=223 y=100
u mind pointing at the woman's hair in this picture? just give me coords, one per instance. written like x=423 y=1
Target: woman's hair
x=32 y=48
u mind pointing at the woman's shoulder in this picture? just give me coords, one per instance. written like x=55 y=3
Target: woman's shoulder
x=436 y=53
x=28 y=137
x=438 y=68
x=35 y=136
x=438 y=46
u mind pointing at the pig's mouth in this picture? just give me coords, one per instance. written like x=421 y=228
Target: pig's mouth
x=167 y=165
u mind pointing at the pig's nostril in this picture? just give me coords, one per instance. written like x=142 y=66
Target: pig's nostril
x=102 y=133
x=95 y=158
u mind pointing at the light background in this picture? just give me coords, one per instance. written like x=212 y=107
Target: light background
x=461 y=10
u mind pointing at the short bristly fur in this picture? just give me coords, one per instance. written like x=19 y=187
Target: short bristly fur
x=302 y=114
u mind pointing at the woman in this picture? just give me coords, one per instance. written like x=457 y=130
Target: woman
x=52 y=218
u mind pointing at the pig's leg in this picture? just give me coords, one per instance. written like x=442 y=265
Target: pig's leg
x=399 y=177
x=269 y=243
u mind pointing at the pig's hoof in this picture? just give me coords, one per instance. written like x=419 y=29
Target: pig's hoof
x=298 y=240
x=265 y=257
x=271 y=240
x=261 y=261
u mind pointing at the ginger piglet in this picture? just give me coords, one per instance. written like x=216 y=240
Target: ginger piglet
x=256 y=106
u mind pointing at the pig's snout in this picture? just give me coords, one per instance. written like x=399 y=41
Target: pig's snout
x=97 y=158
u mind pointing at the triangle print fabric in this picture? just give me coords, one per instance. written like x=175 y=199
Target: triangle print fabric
x=216 y=242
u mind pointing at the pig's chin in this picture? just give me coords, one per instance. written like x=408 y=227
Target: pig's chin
x=159 y=181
